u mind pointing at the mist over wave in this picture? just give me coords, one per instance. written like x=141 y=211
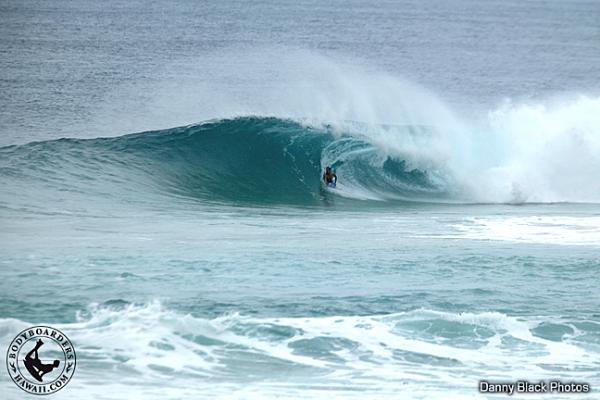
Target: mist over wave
x=388 y=138
x=529 y=154
x=162 y=202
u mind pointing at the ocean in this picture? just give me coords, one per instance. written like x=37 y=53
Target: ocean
x=161 y=200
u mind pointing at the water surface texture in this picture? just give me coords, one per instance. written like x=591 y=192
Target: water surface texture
x=161 y=200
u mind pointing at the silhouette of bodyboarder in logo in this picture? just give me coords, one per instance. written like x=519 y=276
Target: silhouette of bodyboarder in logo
x=34 y=365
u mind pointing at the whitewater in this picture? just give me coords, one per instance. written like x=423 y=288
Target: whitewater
x=161 y=199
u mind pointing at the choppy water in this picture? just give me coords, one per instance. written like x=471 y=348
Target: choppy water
x=161 y=200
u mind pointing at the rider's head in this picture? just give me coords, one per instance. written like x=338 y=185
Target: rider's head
x=55 y=363
x=328 y=169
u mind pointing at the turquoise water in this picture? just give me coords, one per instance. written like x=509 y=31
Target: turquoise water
x=163 y=276
x=161 y=200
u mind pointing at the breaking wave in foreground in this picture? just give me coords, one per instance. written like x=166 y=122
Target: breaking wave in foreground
x=411 y=354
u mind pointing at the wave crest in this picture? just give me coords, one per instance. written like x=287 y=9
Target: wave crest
x=243 y=160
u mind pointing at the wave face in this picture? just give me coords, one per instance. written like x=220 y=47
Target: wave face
x=542 y=153
x=244 y=160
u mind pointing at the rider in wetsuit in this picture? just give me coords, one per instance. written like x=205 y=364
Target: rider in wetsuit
x=329 y=177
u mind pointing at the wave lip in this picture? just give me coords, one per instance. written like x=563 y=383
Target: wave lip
x=248 y=160
x=521 y=154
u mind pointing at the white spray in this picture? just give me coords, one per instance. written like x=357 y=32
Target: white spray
x=537 y=152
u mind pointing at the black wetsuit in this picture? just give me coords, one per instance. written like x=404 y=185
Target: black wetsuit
x=329 y=177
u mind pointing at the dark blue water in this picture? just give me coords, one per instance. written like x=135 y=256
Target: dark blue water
x=161 y=199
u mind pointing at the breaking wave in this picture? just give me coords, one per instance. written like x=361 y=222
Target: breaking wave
x=521 y=154
x=243 y=160
x=421 y=353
